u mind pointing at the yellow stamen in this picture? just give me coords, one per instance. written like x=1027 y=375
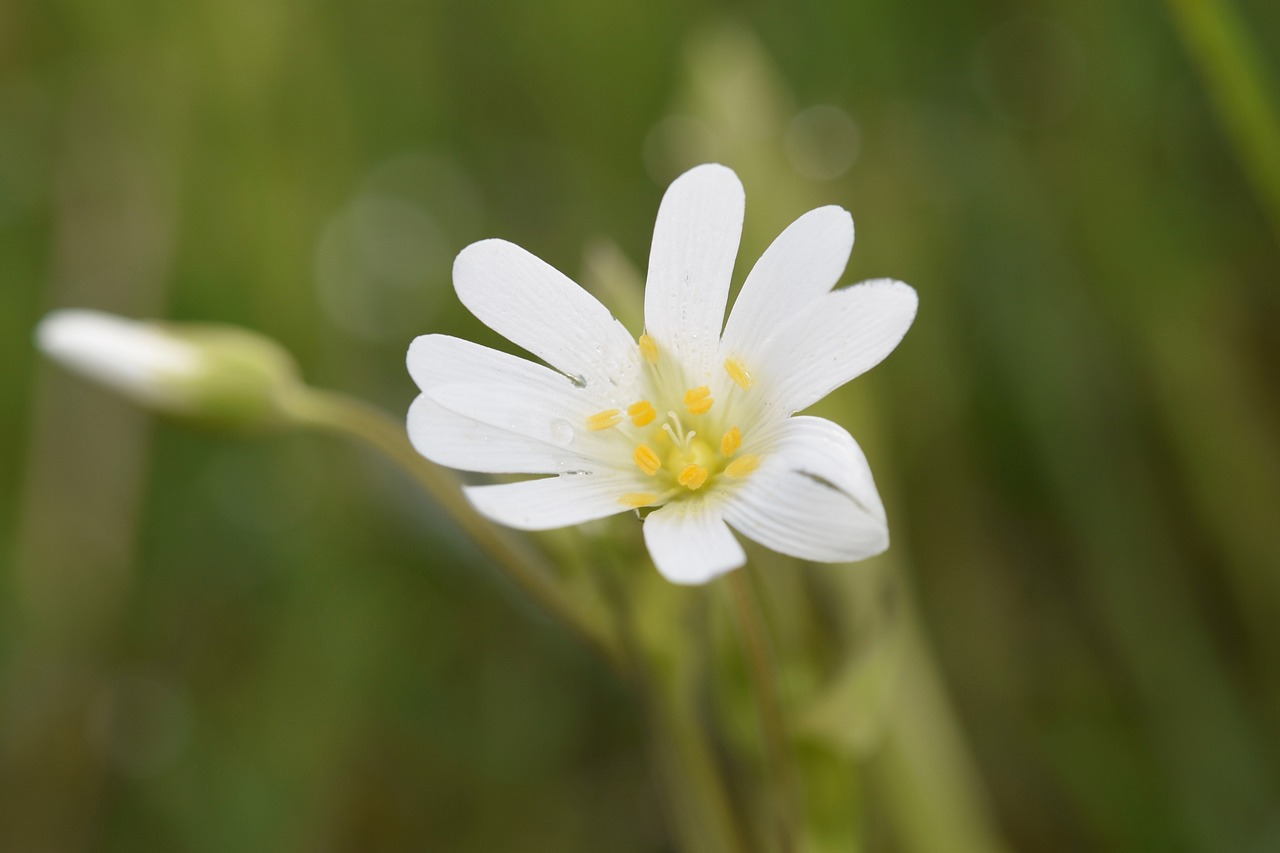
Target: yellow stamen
x=698 y=400
x=604 y=420
x=742 y=466
x=692 y=477
x=738 y=374
x=731 y=442
x=635 y=500
x=646 y=460
x=642 y=413
x=649 y=349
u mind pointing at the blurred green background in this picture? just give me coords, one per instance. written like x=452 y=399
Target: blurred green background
x=212 y=644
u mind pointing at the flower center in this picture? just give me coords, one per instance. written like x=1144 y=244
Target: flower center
x=686 y=448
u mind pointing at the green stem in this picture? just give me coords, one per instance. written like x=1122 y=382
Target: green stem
x=663 y=629
x=523 y=565
x=764 y=676
x=1232 y=68
x=697 y=801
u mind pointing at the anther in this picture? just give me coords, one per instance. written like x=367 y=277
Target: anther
x=738 y=374
x=635 y=500
x=731 y=442
x=604 y=420
x=642 y=413
x=698 y=400
x=692 y=477
x=742 y=466
x=649 y=349
x=646 y=460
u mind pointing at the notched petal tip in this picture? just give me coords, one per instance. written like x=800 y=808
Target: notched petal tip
x=908 y=298
x=690 y=544
x=685 y=574
x=905 y=299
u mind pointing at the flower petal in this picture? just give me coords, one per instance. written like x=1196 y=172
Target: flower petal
x=455 y=441
x=528 y=411
x=695 y=243
x=552 y=502
x=445 y=360
x=537 y=307
x=800 y=266
x=813 y=497
x=510 y=393
x=836 y=338
x=690 y=543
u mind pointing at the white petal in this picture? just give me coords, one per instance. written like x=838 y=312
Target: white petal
x=836 y=338
x=695 y=242
x=132 y=357
x=812 y=497
x=690 y=543
x=529 y=411
x=510 y=393
x=455 y=441
x=444 y=360
x=800 y=266
x=552 y=502
x=537 y=307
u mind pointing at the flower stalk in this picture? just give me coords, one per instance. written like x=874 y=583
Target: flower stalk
x=783 y=787
x=520 y=562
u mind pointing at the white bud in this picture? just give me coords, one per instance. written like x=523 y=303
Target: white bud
x=131 y=357
x=219 y=374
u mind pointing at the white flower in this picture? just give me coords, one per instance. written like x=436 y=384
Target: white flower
x=688 y=425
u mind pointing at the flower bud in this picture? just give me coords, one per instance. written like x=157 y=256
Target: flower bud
x=221 y=375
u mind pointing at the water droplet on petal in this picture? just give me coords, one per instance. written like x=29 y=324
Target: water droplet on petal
x=562 y=432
